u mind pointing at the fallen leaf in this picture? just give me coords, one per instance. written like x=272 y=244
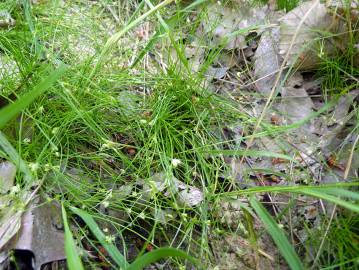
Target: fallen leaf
x=296 y=104
x=190 y=197
x=42 y=233
x=7 y=176
x=267 y=61
x=169 y=185
x=10 y=224
x=304 y=53
x=216 y=73
x=224 y=21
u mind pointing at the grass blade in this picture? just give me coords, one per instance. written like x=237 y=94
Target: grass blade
x=277 y=235
x=10 y=111
x=158 y=254
x=333 y=199
x=250 y=153
x=73 y=260
x=111 y=248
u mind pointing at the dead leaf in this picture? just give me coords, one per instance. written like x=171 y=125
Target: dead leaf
x=190 y=197
x=10 y=224
x=41 y=233
x=267 y=61
x=169 y=185
x=296 y=104
x=224 y=21
x=216 y=73
x=7 y=176
x=304 y=52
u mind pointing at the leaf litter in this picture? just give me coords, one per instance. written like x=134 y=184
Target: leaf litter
x=320 y=137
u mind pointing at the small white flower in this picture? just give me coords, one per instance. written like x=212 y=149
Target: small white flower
x=26 y=140
x=108 y=145
x=143 y=121
x=14 y=189
x=57 y=154
x=175 y=162
x=34 y=166
x=142 y=215
x=47 y=167
x=110 y=239
x=105 y=230
x=152 y=123
x=55 y=130
x=105 y=204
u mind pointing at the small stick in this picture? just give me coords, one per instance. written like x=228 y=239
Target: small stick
x=349 y=163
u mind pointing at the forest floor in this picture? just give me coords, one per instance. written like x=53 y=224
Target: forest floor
x=179 y=134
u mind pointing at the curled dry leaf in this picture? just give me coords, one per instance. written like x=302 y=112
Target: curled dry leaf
x=41 y=233
x=305 y=52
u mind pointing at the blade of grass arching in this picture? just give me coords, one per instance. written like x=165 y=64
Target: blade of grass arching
x=331 y=198
x=30 y=23
x=277 y=235
x=137 y=11
x=270 y=130
x=15 y=158
x=10 y=111
x=282 y=189
x=72 y=257
x=250 y=153
x=342 y=193
x=114 y=39
x=158 y=254
x=111 y=248
x=193 y=5
x=149 y=46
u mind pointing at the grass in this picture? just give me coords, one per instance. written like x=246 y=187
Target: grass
x=103 y=134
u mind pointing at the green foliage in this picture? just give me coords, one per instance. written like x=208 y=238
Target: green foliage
x=278 y=236
x=100 y=109
x=287 y=5
x=23 y=102
x=140 y=262
x=115 y=254
x=72 y=257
